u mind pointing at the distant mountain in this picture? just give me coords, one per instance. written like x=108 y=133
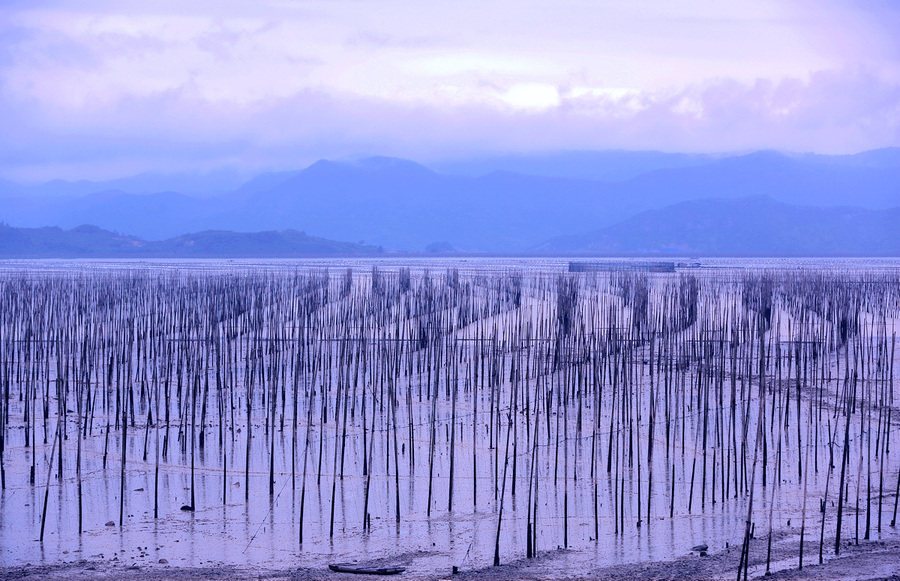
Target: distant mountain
x=748 y=226
x=261 y=183
x=621 y=165
x=188 y=183
x=288 y=243
x=888 y=157
x=802 y=180
x=92 y=242
x=400 y=204
x=153 y=216
x=606 y=166
x=53 y=242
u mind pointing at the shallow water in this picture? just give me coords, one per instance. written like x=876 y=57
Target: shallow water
x=581 y=506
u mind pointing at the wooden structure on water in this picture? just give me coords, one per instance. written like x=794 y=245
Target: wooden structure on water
x=619 y=266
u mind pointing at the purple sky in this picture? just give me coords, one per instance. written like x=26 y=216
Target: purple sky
x=117 y=87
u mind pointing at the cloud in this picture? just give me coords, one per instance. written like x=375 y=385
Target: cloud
x=833 y=111
x=117 y=87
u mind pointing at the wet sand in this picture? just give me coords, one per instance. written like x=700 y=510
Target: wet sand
x=869 y=560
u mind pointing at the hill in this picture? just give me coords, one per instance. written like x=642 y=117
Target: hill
x=92 y=242
x=749 y=226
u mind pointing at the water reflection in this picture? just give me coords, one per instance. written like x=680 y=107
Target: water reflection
x=635 y=447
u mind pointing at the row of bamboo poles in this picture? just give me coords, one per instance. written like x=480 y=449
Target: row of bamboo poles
x=656 y=396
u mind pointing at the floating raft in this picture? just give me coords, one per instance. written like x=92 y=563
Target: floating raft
x=364 y=570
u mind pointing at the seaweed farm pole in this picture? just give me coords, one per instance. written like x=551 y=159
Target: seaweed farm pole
x=309 y=420
x=124 y=449
x=218 y=337
x=502 y=493
x=223 y=418
x=272 y=411
x=530 y=545
x=805 y=479
x=156 y=470
x=474 y=433
x=891 y=383
x=781 y=422
x=431 y=444
x=650 y=430
x=884 y=434
x=364 y=352
x=595 y=439
x=896 y=498
x=845 y=458
x=367 y=524
x=824 y=501
x=393 y=395
x=452 y=433
x=760 y=427
x=867 y=430
x=564 y=393
x=885 y=446
x=672 y=496
x=78 y=451
x=194 y=391
x=61 y=387
x=249 y=371
x=334 y=469
x=298 y=355
x=3 y=406
x=49 y=475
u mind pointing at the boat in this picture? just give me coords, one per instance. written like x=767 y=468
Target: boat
x=364 y=569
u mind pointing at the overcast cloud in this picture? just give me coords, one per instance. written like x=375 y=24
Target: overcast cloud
x=117 y=88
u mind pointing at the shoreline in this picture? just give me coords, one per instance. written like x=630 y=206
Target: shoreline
x=869 y=560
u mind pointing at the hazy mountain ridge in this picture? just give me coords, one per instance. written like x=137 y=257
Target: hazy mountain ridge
x=748 y=226
x=403 y=205
x=605 y=166
x=189 y=183
x=778 y=176
x=92 y=242
x=623 y=165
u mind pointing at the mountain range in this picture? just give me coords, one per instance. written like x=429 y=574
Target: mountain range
x=747 y=226
x=92 y=242
x=498 y=205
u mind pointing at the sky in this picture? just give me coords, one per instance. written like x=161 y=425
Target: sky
x=104 y=89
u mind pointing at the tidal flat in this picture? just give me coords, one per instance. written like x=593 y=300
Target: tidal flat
x=506 y=417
